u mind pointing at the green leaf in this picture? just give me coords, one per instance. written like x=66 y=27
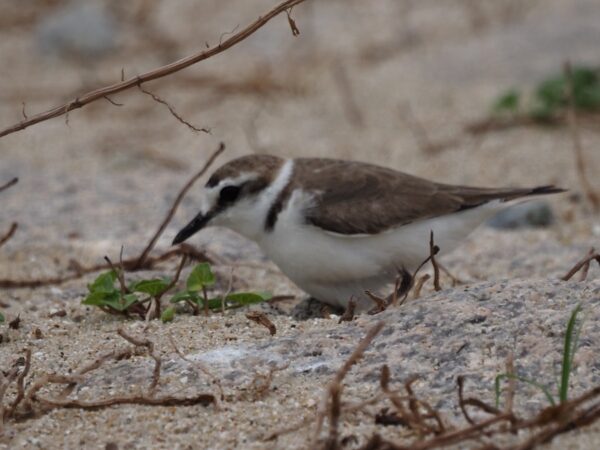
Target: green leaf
x=99 y=298
x=239 y=299
x=507 y=102
x=185 y=296
x=151 y=287
x=569 y=349
x=248 y=298
x=125 y=302
x=105 y=282
x=112 y=300
x=2 y=318
x=200 y=277
x=168 y=314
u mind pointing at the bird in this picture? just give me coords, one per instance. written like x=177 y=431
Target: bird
x=338 y=228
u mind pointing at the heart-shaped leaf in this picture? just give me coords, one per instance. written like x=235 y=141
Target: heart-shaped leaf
x=105 y=282
x=200 y=277
x=151 y=287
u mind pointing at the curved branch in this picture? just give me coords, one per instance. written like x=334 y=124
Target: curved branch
x=159 y=72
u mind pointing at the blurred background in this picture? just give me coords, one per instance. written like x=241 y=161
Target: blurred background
x=460 y=91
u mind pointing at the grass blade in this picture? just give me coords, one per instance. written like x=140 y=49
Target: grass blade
x=512 y=376
x=569 y=349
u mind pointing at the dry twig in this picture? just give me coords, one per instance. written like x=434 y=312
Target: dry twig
x=380 y=303
x=128 y=264
x=160 y=72
x=144 y=255
x=419 y=285
x=157 y=99
x=150 y=346
x=583 y=264
x=11 y=231
x=144 y=261
x=332 y=403
x=9 y=184
x=592 y=196
x=262 y=319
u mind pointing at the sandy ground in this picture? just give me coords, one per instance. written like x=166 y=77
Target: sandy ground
x=359 y=82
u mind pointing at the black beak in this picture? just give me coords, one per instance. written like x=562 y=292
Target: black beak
x=195 y=225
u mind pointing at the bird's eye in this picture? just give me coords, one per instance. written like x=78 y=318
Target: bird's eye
x=228 y=195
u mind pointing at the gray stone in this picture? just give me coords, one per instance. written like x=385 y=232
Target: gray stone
x=78 y=29
x=530 y=214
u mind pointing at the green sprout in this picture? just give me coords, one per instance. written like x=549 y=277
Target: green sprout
x=569 y=348
x=550 y=98
x=106 y=293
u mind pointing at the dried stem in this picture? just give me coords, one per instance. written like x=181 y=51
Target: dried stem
x=151 y=350
x=128 y=264
x=262 y=319
x=200 y=399
x=583 y=264
x=118 y=270
x=144 y=255
x=160 y=72
x=591 y=194
x=9 y=184
x=335 y=389
x=11 y=231
x=419 y=285
x=157 y=99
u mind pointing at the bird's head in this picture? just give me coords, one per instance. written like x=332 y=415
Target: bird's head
x=236 y=196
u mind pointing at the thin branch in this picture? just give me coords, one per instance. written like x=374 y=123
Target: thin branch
x=118 y=270
x=128 y=264
x=200 y=399
x=178 y=199
x=8 y=234
x=380 y=303
x=12 y=182
x=157 y=73
x=419 y=285
x=111 y=101
x=97 y=363
x=150 y=346
x=582 y=264
x=262 y=319
x=20 y=384
x=334 y=391
x=292 y=22
x=590 y=193
x=160 y=100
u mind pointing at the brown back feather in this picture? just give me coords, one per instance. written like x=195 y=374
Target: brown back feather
x=360 y=198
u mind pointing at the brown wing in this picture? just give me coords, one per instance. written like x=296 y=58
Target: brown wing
x=360 y=198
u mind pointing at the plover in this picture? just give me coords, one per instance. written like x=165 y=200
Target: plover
x=337 y=228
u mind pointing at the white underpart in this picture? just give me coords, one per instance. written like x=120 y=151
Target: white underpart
x=334 y=267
